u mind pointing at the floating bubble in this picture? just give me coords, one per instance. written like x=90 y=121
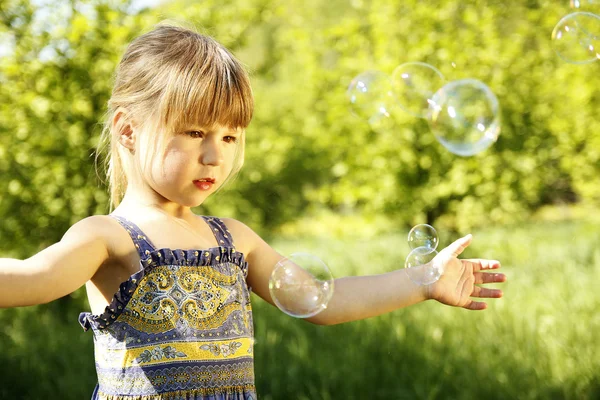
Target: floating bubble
x=423 y=235
x=414 y=84
x=586 y=5
x=371 y=96
x=301 y=285
x=465 y=117
x=576 y=38
x=421 y=267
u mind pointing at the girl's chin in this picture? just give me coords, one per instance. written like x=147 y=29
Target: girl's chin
x=197 y=202
x=191 y=199
x=191 y=202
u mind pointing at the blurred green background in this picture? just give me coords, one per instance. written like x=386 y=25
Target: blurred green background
x=319 y=179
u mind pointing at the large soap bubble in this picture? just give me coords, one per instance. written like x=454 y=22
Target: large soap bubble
x=370 y=94
x=465 y=116
x=576 y=38
x=423 y=235
x=421 y=267
x=301 y=285
x=414 y=84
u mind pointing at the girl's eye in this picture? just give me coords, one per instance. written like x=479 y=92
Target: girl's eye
x=230 y=139
x=195 y=134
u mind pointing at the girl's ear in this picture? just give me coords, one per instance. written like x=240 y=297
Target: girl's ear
x=122 y=125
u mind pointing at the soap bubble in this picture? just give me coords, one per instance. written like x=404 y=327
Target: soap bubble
x=414 y=84
x=423 y=235
x=421 y=267
x=301 y=285
x=586 y=5
x=465 y=117
x=576 y=38
x=371 y=96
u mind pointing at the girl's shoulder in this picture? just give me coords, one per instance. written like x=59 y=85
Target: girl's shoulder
x=101 y=227
x=244 y=237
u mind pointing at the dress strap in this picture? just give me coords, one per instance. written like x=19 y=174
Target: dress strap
x=143 y=245
x=220 y=231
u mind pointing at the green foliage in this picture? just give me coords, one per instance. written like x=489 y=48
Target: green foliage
x=306 y=152
x=315 y=155
x=54 y=88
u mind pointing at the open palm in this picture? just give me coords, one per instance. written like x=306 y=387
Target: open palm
x=460 y=278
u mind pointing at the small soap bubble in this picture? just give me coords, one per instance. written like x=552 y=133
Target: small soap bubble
x=370 y=95
x=301 y=285
x=413 y=85
x=421 y=267
x=465 y=117
x=586 y=5
x=423 y=235
x=576 y=38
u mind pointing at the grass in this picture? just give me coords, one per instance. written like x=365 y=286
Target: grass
x=538 y=342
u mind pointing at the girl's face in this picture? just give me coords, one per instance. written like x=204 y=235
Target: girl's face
x=196 y=162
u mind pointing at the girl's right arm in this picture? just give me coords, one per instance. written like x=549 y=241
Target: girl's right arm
x=57 y=270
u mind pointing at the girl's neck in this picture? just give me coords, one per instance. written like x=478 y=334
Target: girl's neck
x=136 y=208
x=134 y=202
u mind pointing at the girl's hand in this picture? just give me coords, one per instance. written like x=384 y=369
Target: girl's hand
x=459 y=278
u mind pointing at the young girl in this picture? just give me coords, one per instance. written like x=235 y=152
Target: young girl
x=169 y=290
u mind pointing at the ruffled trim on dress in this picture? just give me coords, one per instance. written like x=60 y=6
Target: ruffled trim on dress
x=245 y=393
x=161 y=257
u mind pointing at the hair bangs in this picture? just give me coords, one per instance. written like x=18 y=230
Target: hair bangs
x=208 y=90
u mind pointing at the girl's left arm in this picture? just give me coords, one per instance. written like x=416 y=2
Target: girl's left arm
x=360 y=297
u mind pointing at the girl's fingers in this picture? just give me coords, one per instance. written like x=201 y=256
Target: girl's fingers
x=486 y=277
x=479 y=291
x=482 y=264
x=476 y=305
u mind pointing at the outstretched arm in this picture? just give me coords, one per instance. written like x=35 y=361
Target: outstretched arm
x=366 y=296
x=56 y=271
x=361 y=297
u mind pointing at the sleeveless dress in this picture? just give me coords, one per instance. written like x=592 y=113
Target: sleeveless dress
x=179 y=328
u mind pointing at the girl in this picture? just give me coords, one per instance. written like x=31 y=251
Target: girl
x=169 y=290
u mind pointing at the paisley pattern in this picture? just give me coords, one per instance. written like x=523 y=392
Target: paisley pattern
x=198 y=295
x=181 y=327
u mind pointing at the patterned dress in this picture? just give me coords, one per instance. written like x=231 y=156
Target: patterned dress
x=179 y=328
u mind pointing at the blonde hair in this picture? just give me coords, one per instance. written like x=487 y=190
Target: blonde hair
x=169 y=78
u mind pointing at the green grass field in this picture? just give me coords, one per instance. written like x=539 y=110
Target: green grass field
x=539 y=342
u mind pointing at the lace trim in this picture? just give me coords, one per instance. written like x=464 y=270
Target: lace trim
x=246 y=392
x=208 y=257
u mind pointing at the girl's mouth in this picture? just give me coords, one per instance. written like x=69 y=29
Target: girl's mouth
x=204 y=183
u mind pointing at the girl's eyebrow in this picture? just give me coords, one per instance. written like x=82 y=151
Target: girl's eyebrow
x=232 y=131
x=229 y=131
x=194 y=127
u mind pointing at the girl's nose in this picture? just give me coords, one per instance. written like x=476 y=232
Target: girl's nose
x=211 y=153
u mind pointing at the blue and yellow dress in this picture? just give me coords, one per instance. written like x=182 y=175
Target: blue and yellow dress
x=180 y=328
